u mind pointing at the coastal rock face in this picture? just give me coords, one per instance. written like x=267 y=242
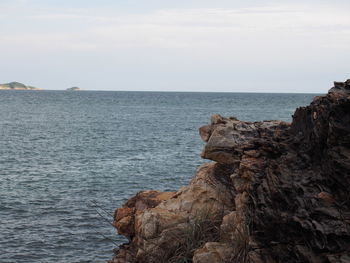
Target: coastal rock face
x=275 y=192
x=165 y=226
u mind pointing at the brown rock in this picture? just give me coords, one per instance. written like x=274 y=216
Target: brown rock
x=276 y=192
x=156 y=231
x=213 y=252
x=205 y=132
x=217 y=119
x=124 y=218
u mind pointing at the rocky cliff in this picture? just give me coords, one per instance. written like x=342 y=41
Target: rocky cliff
x=275 y=192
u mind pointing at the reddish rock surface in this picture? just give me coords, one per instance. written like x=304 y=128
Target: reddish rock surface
x=276 y=192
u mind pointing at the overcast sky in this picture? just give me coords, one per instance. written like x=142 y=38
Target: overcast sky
x=182 y=45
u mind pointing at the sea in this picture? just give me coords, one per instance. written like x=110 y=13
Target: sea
x=68 y=159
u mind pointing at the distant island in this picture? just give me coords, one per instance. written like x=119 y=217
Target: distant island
x=73 y=89
x=16 y=86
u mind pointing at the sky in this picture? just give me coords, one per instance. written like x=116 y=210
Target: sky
x=183 y=45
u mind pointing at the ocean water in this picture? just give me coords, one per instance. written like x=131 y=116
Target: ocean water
x=68 y=159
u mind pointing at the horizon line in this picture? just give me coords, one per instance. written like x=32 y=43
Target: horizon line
x=182 y=91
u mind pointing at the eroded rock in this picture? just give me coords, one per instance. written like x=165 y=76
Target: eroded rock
x=159 y=230
x=276 y=192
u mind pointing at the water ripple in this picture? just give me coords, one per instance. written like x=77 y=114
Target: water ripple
x=61 y=150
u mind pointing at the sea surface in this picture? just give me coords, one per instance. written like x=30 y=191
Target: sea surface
x=68 y=159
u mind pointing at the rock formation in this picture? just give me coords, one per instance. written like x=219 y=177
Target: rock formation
x=275 y=192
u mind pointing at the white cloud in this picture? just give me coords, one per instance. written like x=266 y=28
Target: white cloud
x=272 y=39
x=182 y=28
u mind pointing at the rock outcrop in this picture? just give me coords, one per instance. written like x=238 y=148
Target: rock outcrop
x=275 y=192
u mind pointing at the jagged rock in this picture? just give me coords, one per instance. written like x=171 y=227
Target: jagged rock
x=276 y=192
x=158 y=229
x=125 y=216
x=230 y=138
x=341 y=87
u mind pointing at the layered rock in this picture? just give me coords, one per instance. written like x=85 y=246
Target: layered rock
x=160 y=225
x=276 y=192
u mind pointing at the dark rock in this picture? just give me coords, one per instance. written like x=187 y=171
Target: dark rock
x=341 y=87
x=281 y=190
x=300 y=193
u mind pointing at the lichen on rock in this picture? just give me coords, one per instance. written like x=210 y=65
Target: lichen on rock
x=275 y=192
